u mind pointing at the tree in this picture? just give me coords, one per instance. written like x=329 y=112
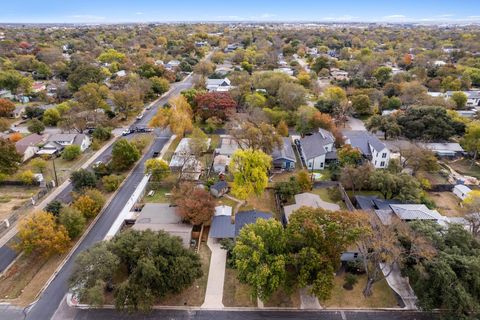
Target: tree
x=387 y=124
x=71 y=152
x=111 y=182
x=54 y=207
x=33 y=112
x=83 y=178
x=418 y=158
x=73 y=221
x=51 y=117
x=198 y=143
x=204 y=68
x=194 y=204
x=13 y=80
x=249 y=168
x=124 y=154
x=471 y=139
x=91 y=97
x=472 y=201
x=356 y=178
x=84 y=74
x=102 y=133
x=261 y=258
x=127 y=101
x=111 y=55
x=304 y=181
x=36 y=126
x=361 y=104
x=255 y=100
x=460 y=99
x=39 y=234
x=383 y=74
x=159 y=85
x=286 y=190
x=347 y=155
x=15 y=137
x=291 y=96
x=282 y=129
x=9 y=158
x=429 y=123
x=218 y=104
x=4 y=124
x=157 y=168
x=27 y=177
x=395 y=185
x=6 y=107
x=178 y=117
x=97 y=263
x=320 y=63
x=90 y=203
x=254 y=135
x=317 y=238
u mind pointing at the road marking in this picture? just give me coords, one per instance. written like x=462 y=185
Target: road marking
x=344 y=317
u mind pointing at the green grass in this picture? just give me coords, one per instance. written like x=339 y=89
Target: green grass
x=325 y=195
x=464 y=167
x=159 y=196
x=171 y=149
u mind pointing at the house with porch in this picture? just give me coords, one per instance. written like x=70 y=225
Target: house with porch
x=284 y=158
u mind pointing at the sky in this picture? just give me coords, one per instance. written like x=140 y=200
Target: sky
x=114 y=11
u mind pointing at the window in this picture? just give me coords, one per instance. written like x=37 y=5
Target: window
x=321 y=165
x=375 y=162
x=384 y=155
x=382 y=164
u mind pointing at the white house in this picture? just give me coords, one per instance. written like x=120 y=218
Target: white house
x=473 y=97
x=28 y=146
x=172 y=64
x=218 y=85
x=461 y=191
x=338 y=74
x=286 y=70
x=57 y=142
x=317 y=149
x=370 y=146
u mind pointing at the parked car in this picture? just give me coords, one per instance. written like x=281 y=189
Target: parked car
x=155 y=154
x=126 y=132
x=140 y=116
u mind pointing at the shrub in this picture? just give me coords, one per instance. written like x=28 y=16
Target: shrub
x=112 y=182
x=83 y=179
x=27 y=177
x=102 y=134
x=350 y=281
x=71 y=152
x=73 y=221
x=54 y=207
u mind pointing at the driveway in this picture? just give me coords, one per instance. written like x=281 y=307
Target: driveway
x=216 y=276
x=356 y=124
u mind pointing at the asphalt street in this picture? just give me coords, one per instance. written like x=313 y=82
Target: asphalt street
x=48 y=302
x=254 y=315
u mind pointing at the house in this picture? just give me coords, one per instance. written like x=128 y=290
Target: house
x=38 y=87
x=228 y=145
x=370 y=146
x=461 y=191
x=57 y=142
x=172 y=64
x=163 y=217
x=307 y=199
x=183 y=157
x=18 y=111
x=121 y=73
x=219 y=189
x=286 y=70
x=159 y=62
x=284 y=157
x=473 y=97
x=224 y=226
x=231 y=47
x=218 y=85
x=28 y=146
x=220 y=163
x=439 y=63
x=338 y=74
x=200 y=44
x=445 y=150
x=317 y=149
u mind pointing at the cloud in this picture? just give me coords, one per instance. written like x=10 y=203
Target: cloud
x=139 y=13
x=394 y=16
x=262 y=16
x=87 y=18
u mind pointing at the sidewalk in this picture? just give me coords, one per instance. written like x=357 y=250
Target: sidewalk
x=308 y=301
x=216 y=276
x=50 y=197
x=400 y=285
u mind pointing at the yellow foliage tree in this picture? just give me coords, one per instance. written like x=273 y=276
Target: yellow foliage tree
x=39 y=233
x=89 y=203
x=178 y=117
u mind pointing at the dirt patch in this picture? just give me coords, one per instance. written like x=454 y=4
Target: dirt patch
x=382 y=297
x=14 y=197
x=447 y=204
x=236 y=294
x=265 y=202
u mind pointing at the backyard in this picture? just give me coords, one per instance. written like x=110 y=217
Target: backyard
x=447 y=203
x=13 y=197
x=465 y=167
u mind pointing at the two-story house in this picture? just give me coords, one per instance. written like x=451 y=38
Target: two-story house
x=370 y=146
x=317 y=149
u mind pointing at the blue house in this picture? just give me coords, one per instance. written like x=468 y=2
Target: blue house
x=284 y=158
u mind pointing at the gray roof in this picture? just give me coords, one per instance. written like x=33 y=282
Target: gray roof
x=243 y=218
x=30 y=140
x=62 y=137
x=363 y=140
x=370 y=203
x=472 y=94
x=307 y=199
x=314 y=145
x=444 y=147
x=286 y=152
x=222 y=227
x=220 y=185
x=415 y=212
x=79 y=138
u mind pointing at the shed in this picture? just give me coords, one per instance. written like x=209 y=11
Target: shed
x=219 y=189
x=461 y=191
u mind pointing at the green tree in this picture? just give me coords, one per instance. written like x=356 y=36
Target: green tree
x=13 y=80
x=84 y=74
x=124 y=154
x=261 y=257
x=36 y=126
x=255 y=100
x=249 y=169
x=387 y=124
x=127 y=101
x=83 y=178
x=471 y=139
x=395 y=186
x=102 y=133
x=361 y=104
x=159 y=85
x=54 y=207
x=286 y=190
x=71 y=152
x=291 y=96
x=460 y=99
x=383 y=74
x=347 y=155
x=51 y=117
x=304 y=181
x=157 y=168
x=111 y=55
x=73 y=221
x=9 y=158
x=111 y=182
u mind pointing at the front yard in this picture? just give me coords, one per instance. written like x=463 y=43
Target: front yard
x=236 y=294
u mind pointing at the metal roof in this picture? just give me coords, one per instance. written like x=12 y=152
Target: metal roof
x=363 y=140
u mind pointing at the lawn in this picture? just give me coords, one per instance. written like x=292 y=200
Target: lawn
x=159 y=196
x=326 y=195
x=171 y=149
x=195 y=294
x=282 y=299
x=434 y=178
x=265 y=202
x=382 y=297
x=464 y=167
x=236 y=294
x=447 y=203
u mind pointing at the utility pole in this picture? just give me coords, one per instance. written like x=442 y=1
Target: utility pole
x=55 y=170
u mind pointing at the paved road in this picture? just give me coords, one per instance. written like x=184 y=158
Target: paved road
x=53 y=294
x=254 y=315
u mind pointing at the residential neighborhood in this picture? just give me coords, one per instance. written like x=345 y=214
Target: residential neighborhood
x=204 y=161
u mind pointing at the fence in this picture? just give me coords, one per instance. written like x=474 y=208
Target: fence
x=343 y=193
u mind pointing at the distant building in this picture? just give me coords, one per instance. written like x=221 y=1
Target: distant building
x=447 y=149
x=218 y=85
x=461 y=191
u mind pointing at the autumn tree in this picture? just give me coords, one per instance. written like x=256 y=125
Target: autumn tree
x=15 y=137
x=355 y=177
x=6 y=107
x=218 y=104
x=255 y=135
x=460 y=99
x=348 y=155
x=39 y=234
x=51 y=117
x=471 y=139
x=249 y=168
x=282 y=129
x=255 y=100
x=157 y=168
x=204 y=68
x=127 y=101
x=418 y=158
x=9 y=158
x=194 y=204
x=89 y=203
x=291 y=96
x=178 y=117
